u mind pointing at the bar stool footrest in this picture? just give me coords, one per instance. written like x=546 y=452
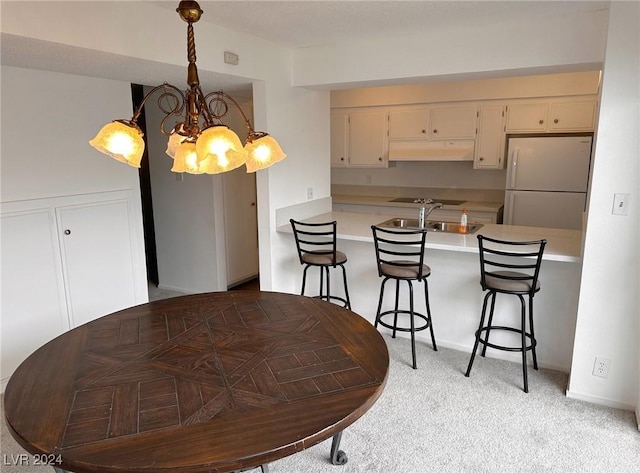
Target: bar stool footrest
x=502 y=347
x=404 y=329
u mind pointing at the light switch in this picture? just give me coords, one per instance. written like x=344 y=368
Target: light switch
x=620 y=204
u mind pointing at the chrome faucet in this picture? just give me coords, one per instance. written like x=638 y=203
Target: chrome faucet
x=424 y=212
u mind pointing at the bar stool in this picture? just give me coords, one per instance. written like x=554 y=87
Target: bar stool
x=400 y=256
x=316 y=244
x=509 y=267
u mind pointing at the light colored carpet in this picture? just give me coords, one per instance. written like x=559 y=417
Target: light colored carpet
x=435 y=420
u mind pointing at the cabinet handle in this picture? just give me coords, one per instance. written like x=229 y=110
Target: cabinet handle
x=555 y=120
x=424 y=131
x=67 y=232
x=481 y=158
x=380 y=158
x=435 y=131
x=541 y=122
x=342 y=159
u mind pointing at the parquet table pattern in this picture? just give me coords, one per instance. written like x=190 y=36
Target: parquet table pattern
x=210 y=360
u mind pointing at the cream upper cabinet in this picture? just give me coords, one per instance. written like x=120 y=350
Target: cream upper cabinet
x=491 y=138
x=572 y=116
x=527 y=117
x=453 y=123
x=551 y=117
x=367 y=139
x=409 y=124
x=339 y=138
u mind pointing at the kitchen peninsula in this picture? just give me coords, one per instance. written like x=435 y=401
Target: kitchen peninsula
x=482 y=206
x=454 y=289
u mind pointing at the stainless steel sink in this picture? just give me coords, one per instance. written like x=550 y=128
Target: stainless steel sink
x=408 y=223
x=412 y=224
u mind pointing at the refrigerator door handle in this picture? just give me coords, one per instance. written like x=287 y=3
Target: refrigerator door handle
x=509 y=205
x=514 y=168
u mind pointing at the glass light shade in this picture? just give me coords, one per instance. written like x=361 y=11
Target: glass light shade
x=172 y=145
x=121 y=141
x=186 y=159
x=263 y=152
x=219 y=149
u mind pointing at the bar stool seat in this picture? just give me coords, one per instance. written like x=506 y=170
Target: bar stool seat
x=400 y=256
x=317 y=247
x=512 y=268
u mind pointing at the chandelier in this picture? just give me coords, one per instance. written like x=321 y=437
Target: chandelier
x=199 y=142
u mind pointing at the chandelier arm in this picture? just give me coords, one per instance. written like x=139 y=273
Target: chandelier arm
x=165 y=85
x=225 y=97
x=206 y=113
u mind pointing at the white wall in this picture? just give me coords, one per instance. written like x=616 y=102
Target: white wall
x=47 y=122
x=555 y=45
x=607 y=324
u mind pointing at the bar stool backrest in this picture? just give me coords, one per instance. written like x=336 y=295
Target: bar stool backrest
x=517 y=262
x=315 y=239
x=400 y=248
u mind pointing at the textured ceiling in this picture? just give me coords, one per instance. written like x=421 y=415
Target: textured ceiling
x=303 y=23
x=296 y=24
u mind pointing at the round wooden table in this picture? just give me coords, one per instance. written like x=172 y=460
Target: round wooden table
x=214 y=382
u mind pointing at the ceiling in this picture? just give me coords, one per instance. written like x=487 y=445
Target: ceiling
x=304 y=23
x=295 y=24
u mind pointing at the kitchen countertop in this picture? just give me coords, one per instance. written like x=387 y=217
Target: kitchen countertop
x=386 y=201
x=562 y=245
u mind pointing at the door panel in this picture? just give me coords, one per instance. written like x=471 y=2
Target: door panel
x=98 y=259
x=241 y=225
x=549 y=164
x=545 y=209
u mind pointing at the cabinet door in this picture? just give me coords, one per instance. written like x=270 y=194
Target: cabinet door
x=97 y=259
x=339 y=133
x=454 y=123
x=367 y=139
x=578 y=116
x=409 y=124
x=527 y=117
x=490 y=148
x=33 y=301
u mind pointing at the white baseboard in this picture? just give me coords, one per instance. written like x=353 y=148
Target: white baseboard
x=181 y=290
x=603 y=402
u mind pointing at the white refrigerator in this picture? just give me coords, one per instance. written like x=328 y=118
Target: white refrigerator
x=547 y=178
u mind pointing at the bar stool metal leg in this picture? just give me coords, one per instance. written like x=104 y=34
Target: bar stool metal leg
x=384 y=281
x=523 y=322
x=478 y=332
x=395 y=316
x=533 y=335
x=426 y=298
x=346 y=288
x=490 y=324
x=413 y=326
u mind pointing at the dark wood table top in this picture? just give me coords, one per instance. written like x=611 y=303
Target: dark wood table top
x=210 y=382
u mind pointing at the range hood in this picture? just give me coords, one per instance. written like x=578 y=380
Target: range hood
x=419 y=150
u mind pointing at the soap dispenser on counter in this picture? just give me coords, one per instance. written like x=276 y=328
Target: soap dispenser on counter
x=463 y=227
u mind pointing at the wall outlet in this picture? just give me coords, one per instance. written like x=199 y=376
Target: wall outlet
x=601 y=367
x=309 y=193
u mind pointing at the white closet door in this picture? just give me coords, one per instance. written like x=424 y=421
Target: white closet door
x=33 y=301
x=97 y=259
